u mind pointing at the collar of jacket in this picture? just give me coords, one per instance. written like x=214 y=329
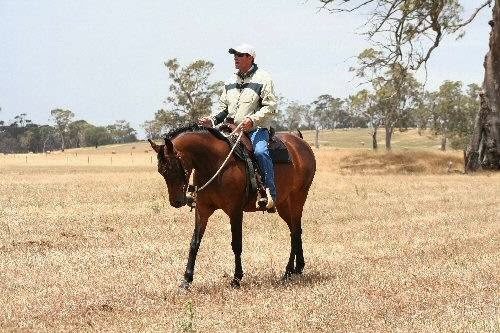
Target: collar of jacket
x=250 y=72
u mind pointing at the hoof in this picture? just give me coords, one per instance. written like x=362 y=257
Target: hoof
x=184 y=286
x=286 y=277
x=235 y=284
x=298 y=271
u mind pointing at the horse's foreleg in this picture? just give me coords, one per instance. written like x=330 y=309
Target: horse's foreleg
x=201 y=218
x=236 y=244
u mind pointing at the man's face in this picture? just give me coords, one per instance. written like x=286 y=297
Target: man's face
x=242 y=62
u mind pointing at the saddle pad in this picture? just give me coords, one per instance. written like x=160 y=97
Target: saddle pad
x=279 y=152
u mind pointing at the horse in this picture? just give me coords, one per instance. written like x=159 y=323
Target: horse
x=198 y=152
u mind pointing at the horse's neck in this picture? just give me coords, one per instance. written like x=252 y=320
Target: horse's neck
x=202 y=151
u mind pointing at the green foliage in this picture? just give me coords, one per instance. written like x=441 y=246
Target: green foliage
x=152 y=128
x=391 y=104
x=191 y=94
x=293 y=114
x=329 y=112
x=452 y=112
x=187 y=324
x=122 y=132
x=98 y=136
x=77 y=133
x=62 y=118
x=404 y=31
x=22 y=135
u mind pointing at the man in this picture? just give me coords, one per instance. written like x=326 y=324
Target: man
x=248 y=98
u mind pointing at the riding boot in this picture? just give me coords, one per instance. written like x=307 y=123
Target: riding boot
x=270 y=200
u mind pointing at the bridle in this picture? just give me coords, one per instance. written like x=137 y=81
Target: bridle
x=173 y=168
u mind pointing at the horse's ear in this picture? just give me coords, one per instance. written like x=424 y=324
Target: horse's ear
x=155 y=147
x=169 y=147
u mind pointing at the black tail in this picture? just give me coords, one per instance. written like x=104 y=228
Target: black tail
x=299 y=134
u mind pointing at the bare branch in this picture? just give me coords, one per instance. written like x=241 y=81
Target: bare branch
x=472 y=17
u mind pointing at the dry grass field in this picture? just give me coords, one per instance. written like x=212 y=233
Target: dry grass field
x=392 y=242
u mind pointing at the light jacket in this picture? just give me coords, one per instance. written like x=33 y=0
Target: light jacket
x=251 y=95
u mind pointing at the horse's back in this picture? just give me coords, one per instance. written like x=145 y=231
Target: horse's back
x=301 y=170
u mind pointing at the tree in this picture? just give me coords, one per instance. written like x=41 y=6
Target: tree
x=98 y=136
x=326 y=113
x=484 y=147
x=464 y=125
x=424 y=108
x=278 y=122
x=408 y=31
x=76 y=133
x=17 y=136
x=191 y=93
x=164 y=121
x=152 y=128
x=122 y=132
x=364 y=104
x=447 y=110
x=293 y=114
x=395 y=98
x=47 y=137
x=62 y=118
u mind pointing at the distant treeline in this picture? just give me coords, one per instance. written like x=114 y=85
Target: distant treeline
x=22 y=135
x=395 y=101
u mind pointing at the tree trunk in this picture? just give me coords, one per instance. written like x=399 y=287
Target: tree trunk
x=316 y=138
x=62 y=142
x=483 y=151
x=388 y=137
x=374 y=138
x=443 y=141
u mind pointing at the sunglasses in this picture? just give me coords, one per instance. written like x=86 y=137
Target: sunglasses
x=239 y=55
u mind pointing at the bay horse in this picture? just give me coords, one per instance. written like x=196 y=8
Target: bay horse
x=198 y=151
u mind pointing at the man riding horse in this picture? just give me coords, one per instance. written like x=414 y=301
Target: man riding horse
x=248 y=98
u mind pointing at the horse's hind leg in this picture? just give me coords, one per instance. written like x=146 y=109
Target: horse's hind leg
x=236 y=245
x=291 y=212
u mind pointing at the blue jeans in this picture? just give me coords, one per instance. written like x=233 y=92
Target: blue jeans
x=260 y=138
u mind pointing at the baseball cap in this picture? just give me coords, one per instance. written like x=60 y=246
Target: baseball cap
x=243 y=48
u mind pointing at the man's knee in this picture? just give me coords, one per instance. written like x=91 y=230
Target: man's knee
x=260 y=151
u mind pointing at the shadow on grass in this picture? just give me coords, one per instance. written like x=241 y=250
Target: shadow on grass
x=266 y=281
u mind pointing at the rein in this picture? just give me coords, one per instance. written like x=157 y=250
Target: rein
x=223 y=163
x=193 y=190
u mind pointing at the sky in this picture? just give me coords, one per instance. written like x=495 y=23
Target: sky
x=104 y=60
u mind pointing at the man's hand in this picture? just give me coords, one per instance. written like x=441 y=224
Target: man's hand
x=205 y=121
x=247 y=124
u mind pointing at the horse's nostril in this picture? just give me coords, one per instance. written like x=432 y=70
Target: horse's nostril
x=177 y=203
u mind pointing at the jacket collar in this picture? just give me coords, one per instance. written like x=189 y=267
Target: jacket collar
x=250 y=72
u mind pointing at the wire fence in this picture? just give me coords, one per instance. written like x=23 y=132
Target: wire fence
x=80 y=159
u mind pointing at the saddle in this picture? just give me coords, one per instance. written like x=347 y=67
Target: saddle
x=277 y=150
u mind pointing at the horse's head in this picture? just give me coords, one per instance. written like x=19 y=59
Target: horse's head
x=171 y=168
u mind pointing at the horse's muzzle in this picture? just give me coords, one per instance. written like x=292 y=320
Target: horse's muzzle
x=178 y=203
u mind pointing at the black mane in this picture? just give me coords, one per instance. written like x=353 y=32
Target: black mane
x=195 y=128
